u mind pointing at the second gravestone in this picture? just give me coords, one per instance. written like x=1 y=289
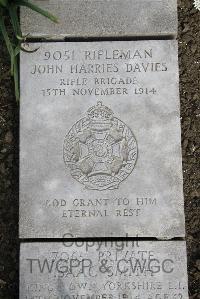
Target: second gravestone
x=101 y=18
x=100 y=141
x=104 y=270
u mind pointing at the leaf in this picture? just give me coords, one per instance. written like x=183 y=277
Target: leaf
x=16 y=78
x=8 y=43
x=5 y=35
x=28 y=51
x=14 y=19
x=21 y=38
x=4 y=3
x=14 y=46
x=17 y=50
x=12 y=57
x=37 y=9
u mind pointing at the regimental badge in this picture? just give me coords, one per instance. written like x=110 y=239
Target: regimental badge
x=100 y=150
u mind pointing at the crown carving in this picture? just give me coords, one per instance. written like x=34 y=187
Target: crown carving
x=100 y=112
x=100 y=117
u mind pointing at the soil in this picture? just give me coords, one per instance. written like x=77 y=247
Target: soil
x=189 y=62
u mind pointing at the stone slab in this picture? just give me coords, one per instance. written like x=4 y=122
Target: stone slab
x=102 y=18
x=121 y=269
x=100 y=141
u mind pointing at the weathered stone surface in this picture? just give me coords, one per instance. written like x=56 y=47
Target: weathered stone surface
x=100 y=151
x=143 y=270
x=102 y=18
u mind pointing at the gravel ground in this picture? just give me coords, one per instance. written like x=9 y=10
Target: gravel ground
x=189 y=60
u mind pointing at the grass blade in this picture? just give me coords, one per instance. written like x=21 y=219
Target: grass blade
x=29 y=51
x=14 y=48
x=7 y=41
x=37 y=9
x=16 y=77
x=14 y=19
x=4 y=3
x=17 y=50
x=5 y=34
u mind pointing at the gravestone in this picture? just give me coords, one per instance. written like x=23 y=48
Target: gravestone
x=102 y=18
x=136 y=270
x=100 y=140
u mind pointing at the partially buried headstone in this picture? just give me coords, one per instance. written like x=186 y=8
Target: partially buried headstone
x=100 y=141
x=117 y=269
x=101 y=18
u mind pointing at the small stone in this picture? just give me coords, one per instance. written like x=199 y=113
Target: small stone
x=186 y=28
x=2 y=168
x=2 y=283
x=12 y=275
x=9 y=137
x=4 y=150
x=193 y=48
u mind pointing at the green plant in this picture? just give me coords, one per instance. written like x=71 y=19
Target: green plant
x=10 y=7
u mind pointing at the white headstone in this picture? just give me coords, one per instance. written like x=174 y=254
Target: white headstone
x=100 y=140
x=101 y=18
x=87 y=270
